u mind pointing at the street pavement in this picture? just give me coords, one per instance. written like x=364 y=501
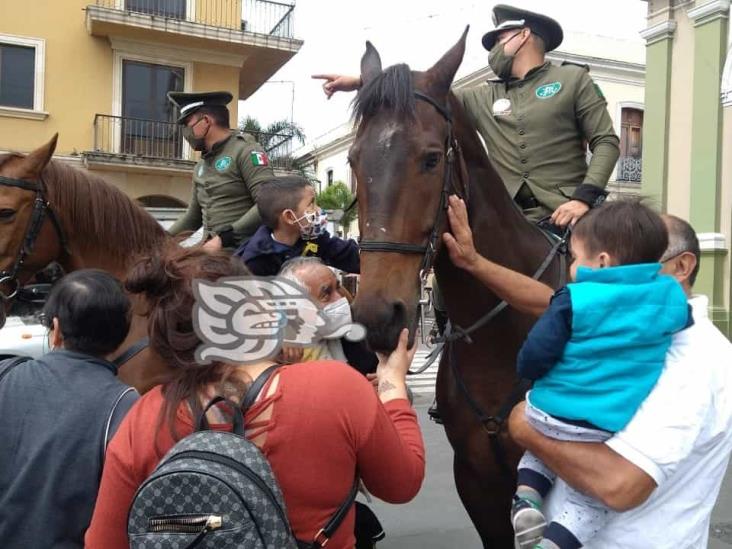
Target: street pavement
x=435 y=519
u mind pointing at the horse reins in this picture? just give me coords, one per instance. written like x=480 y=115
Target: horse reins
x=41 y=208
x=428 y=251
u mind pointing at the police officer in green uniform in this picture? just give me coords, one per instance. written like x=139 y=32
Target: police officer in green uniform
x=536 y=119
x=226 y=178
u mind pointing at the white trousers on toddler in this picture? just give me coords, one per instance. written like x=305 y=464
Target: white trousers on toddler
x=582 y=515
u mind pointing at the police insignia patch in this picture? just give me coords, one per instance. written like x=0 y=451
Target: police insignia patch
x=259 y=158
x=223 y=163
x=548 y=90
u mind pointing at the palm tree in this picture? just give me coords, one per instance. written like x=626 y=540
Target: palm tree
x=277 y=133
x=338 y=197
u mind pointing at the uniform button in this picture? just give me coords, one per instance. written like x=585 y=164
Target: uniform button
x=522 y=145
x=521 y=132
x=526 y=175
x=521 y=85
x=520 y=117
x=523 y=161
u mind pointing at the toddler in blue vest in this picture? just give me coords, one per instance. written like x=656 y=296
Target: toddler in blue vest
x=594 y=356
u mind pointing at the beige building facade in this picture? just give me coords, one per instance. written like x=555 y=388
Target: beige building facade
x=97 y=72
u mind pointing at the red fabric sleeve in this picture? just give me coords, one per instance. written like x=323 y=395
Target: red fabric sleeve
x=391 y=460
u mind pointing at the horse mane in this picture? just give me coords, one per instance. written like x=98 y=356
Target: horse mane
x=95 y=213
x=393 y=90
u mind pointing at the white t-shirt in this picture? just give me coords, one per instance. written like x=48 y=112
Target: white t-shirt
x=682 y=437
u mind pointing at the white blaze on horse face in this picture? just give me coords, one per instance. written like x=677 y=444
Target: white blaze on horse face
x=386 y=135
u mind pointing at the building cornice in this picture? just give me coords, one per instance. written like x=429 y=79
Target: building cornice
x=660 y=31
x=178 y=53
x=711 y=11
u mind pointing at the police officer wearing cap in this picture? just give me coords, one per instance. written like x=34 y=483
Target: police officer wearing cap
x=536 y=119
x=226 y=178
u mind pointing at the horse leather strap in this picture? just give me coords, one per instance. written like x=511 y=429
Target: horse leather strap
x=41 y=208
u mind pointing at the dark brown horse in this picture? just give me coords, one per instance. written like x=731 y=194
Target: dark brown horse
x=406 y=161
x=52 y=212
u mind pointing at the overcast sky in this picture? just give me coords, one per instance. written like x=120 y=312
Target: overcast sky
x=416 y=32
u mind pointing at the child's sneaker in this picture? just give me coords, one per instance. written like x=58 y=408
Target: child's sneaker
x=528 y=523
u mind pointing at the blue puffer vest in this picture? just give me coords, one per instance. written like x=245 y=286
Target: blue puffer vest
x=622 y=322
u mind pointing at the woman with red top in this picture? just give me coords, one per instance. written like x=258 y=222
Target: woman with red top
x=317 y=422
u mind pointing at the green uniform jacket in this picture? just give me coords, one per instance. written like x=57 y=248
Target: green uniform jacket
x=225 y=183
x=536 y=129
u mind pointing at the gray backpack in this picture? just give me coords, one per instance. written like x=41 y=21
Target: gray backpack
x=216 y=489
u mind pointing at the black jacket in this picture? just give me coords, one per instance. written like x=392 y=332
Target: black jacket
x=54 y=415
x=264 y=256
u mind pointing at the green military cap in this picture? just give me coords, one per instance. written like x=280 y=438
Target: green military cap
x=188 y=103
x=507 y=18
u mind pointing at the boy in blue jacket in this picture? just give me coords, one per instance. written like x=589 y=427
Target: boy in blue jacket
x=594 y=356
x=294 y=226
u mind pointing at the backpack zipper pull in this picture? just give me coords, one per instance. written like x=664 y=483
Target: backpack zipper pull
x=212 y=523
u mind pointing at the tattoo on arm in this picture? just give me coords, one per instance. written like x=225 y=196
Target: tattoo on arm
x=385 y=386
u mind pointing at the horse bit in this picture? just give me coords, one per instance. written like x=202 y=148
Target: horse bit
x=41 y=208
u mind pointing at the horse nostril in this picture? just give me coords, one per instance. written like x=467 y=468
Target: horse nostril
x=399 y=312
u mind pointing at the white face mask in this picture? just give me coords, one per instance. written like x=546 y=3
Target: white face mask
x=338 y=316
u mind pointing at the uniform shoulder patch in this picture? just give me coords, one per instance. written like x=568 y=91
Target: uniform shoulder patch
x=246 y=137
x=259 y=158
x=582 y=65
x=598 y=90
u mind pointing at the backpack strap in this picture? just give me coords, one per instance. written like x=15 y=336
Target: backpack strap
x=238 y=411
x=256 y=387
x=111 y=426
x=326 y=532
x=10 y=363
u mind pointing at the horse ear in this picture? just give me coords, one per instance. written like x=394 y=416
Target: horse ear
x=443 y=72
x=35 y=162
x=370 y=63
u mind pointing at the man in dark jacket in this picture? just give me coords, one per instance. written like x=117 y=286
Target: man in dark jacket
x=58 y=413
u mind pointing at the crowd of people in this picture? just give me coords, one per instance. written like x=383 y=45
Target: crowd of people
x=627 y=429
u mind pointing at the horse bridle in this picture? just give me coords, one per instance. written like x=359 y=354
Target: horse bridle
x=428 y=251
x=41 y=208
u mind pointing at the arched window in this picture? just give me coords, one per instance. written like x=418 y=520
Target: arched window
x=631 y=144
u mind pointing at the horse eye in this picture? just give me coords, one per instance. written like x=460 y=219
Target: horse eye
x=6 y=213
x=431 y=160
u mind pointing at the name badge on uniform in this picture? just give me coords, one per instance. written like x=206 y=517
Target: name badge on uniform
x=502 y=107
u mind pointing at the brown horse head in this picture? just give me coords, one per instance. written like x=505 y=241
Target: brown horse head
x=401 y=160
x=21 y=256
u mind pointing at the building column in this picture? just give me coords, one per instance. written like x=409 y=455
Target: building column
x=710 y=49
x=659 y=42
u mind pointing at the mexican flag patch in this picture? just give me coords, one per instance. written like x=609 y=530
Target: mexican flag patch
x=259 y=159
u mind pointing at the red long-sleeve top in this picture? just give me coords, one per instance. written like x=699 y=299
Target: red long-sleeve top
x=326 y=421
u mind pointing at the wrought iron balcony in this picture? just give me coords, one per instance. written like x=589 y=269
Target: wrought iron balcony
x=630 y=169
x=137 y=139
x=265 y=17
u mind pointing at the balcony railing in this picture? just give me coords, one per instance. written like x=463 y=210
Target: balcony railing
x=630 y=169
x=258 y=16
x=150 y=139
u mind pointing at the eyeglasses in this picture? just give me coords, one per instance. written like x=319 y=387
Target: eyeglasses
x=665 y=259
x=45 y=321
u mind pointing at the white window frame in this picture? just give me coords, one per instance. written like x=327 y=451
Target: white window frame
x=117 y=67
x=39 y=44
x=619 y=122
